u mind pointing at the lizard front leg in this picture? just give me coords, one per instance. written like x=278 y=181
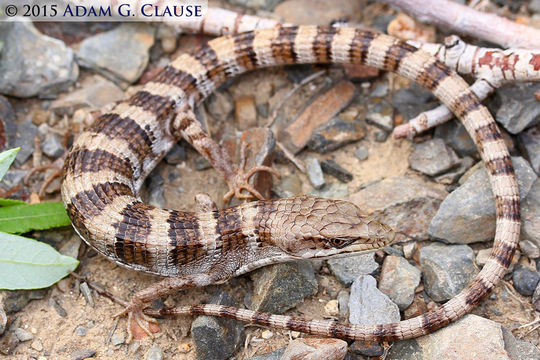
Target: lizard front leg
x=237 y=177
x=139 y=301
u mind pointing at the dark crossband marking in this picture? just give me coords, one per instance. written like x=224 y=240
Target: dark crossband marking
x=139 y=140
x=160 y=106
x=91 y=161
x=433 y=75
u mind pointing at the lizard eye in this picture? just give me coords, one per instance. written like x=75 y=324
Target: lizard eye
x=338 y=242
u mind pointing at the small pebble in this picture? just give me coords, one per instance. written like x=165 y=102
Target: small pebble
x=314 y=172
x=176 y=155
x=85 y=290
x=362 y=152
x=59 y=309
x=332 y=308
x=267 y=334
x=82 y=354
x=525 y=280
x=409 y=249
x=343 y=300
x=184 y=348
x=202 y=164
x=23 y=335
x=52 y=146
x=380 y=136
x=37 y=345
x=80 y=331
x=482 y=257
x=117 y=339
x=332 y=168
x=155 y=353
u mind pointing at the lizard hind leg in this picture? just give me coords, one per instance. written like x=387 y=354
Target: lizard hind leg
x=134 y=310
x=241 y=180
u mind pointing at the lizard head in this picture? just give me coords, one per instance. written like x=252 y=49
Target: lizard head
x=323 y=228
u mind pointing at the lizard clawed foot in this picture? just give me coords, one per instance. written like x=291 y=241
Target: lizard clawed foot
x=241 y=180
x=138 y=321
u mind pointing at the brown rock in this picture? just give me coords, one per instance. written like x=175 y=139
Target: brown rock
x=315 y=349
x=245 y=112
x=361 y=72
x=320 y=111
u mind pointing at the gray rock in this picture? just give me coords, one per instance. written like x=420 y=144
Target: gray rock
x=80 y=331
x=100 y=52
x=519 y=349
x=155 y=188
x=380 y=136
x=52 y=146
x=220 y=105
x=335 y=190
x=278 y=288
x=534 y=6
x=530 y=140
x=519 y=108
x=267 y=5
x=536 y=297
x=335 y=134
x=8 y=343
x=446 y=269
x=405 y=350
x=176 y=155
x=118 y=339
x=405 y=204
x=95 y=92
x=82 y=354
x=471 y=337
x=525 y=280
x=24 y=138
x=456 y=136
x=529 y=249
x=15 y=301
x=349 y=268
x=455 y=174
x=7 y=121
x=332 y=168
x=154 y=353
x=368 y=305
x=412 y=101
x=433 y=157
x=23 y=335
x=530 y=215
x=314 y=172
x=467 y=215
x=362 y=152
x=381 y=114
x=217 y=338
x=288 y=186
x=314 y=348
x=274 y=355
x=379 y=91
x=343 y=301
x=399 y=280
x=33 y=64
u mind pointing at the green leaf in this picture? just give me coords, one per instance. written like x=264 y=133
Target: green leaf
x=6 y=158
x=11 y=202
x=19 y=219
x=29 y=264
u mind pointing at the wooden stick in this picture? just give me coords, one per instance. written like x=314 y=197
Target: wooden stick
x=454 y=17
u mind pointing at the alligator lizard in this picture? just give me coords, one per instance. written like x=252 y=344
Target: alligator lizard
x=108 y=163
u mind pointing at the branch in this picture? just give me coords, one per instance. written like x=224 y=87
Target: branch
x=454 y=17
